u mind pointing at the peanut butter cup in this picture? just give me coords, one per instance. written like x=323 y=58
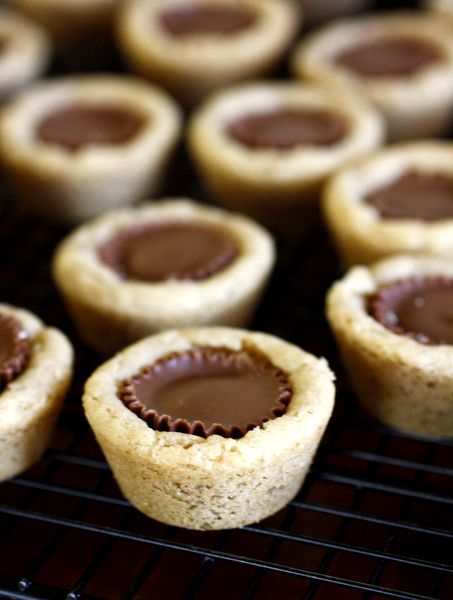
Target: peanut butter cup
x=415 y=195
x=288 y=128
x=396 y=200
x=206 y=392
x=391 y=57
x=164 y=251
x=264 y=405
x=35 y=373
x=395 y=59
x=266 y=148
x=76 y=145
x=78 y=125
x=393 y=324
x=14 y=348
x=160 y=265
x=417 y=307
x=193 y=47
x=207 y=18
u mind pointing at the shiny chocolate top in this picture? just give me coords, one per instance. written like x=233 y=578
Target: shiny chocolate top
x=420 y=307
x=206 y=18
x=208 y=391
x=389 y=57
x=289 y=128
x=416 y=196
x=78 y=125
x=162 y=251
x=14 y=349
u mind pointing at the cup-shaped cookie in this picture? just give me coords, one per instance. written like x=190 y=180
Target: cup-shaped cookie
x=77 y=145
x=192 y=47
x=265 y=148
x=396 y=200
x=402 y=61
x=35 y=372
x=25 y=51
x=179 y=470
x=172 y=263
x=393 y=324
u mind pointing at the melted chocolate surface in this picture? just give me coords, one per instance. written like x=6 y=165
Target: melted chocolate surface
x=389 y=57
x=418 y=307
x=415 y=195
x=208 y=391
x=78 y=125
x=289 y=128
x=14 y=349
x=206 y=18
x=158 y=252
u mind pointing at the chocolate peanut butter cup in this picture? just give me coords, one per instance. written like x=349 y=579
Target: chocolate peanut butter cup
x=208 y=391
x=14 y=349
x=395 y=59
x=78 y=125
x=288 y=128
x=36 y=364
x=163 y=251
x=393 y=323
x=417 y=307
x=415 y=195
x=390 y=57
x=207 y=18
x=256 y=407
x=192 y=48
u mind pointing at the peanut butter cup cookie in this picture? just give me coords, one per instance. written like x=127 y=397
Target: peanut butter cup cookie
x=396 y=200
x=192 y=47
x=35 y=373
x=172 y=263
x=402 y=61
x=265 y=148
x=185 y=448
x=77 y=145
x=393 y=324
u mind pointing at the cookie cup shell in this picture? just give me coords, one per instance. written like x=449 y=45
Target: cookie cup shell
x=279 y=188
x=31 y=402
x=360 y=233
x=111 y=312
x=410 y=107
x=402 y=383
x=192 y=66
x=25 y=54
x=72 y=186
x=213 y=483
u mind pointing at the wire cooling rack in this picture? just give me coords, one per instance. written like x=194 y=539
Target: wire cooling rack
x=373 y=521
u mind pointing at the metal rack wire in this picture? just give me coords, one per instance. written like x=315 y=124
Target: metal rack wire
x=373 y=521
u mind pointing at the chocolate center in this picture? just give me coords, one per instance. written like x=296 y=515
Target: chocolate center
x=392 y=57
x=418 y=307
x=208 y=391
x=78 y=125
x=206 y=18
x=159 y=252
x=14 y=349
x=289 y=128
x=415 y=195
